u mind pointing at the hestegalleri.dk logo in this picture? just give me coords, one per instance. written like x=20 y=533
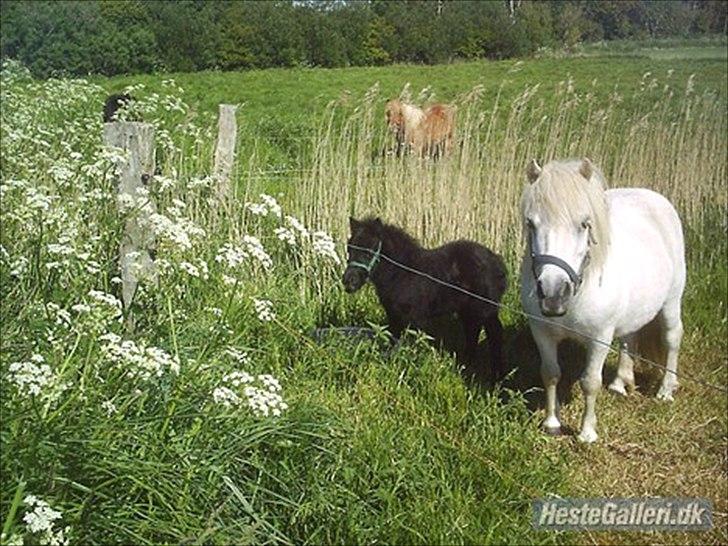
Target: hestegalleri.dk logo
x=638 y=514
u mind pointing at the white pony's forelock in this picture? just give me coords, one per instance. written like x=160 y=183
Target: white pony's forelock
x=561 y=194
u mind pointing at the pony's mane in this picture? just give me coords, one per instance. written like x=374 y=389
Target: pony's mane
x=397 y=236
x=412 y=115
x=563 y=194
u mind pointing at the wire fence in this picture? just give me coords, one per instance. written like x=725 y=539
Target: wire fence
x=608 y=345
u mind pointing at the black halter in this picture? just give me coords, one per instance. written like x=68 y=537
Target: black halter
x=540 y=260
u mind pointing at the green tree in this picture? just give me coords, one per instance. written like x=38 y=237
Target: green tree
x=380 y=36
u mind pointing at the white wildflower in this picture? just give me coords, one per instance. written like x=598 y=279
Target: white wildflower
x=60 y=249
x=296 y=225
x=203 y=269
x=324 y=245
x=163 y=182
x=81 y=308
x=230 y=255
x=19 y=266
x=32 y=376
x=37 y=200
x=264 y=402
x=254 y=248
x=225 y=396
x=104 y=298
x=257 y=209
x=268 y=206
x=270 y=382
x=240 y=356
x=271 y=204
x=42 y=516
x=40 y=519
x=190 y=269
x=238 y=378
x=137 y=359
x=92 y=267
x=125 y=202
x=264 y=309
x=105 y=306
x=200 y=182
x=286 y=235
x=62 y=317
x=109 y=407
x=233 y=256
x=262 y=393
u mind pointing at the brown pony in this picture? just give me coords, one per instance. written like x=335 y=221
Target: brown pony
x=425 y=133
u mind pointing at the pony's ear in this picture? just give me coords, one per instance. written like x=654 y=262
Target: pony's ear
x=533 y=171
x=378 y=224
x=586 y=169
x=353 y=223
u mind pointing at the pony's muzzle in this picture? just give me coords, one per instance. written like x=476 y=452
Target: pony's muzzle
x=554 y=296
x=353 y=279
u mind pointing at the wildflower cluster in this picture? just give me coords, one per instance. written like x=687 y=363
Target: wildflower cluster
x=177 y=232
x=268 y=205
x=323 y=244
x=41 y=520
x=264 y=309
x=292 y=231
x=137 y=360
x=232 y=256
x=261 y=392
x=95 y=313
x=32 y=377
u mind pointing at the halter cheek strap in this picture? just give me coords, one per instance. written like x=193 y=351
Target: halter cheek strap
x=371 y=264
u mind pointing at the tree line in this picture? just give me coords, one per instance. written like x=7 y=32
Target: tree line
x=60 y=37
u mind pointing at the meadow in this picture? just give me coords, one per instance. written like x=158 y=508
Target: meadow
x=220 y=420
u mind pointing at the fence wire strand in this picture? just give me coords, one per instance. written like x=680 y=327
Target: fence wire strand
x=530 y=316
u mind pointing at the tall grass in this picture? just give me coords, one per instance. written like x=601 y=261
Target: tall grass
x=669 y=139
x=154 y=435
x=372 y=447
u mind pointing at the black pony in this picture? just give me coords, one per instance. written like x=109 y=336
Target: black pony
x=114 y=103
x=414 y=300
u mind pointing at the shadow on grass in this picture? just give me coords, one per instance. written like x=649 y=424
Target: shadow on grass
x=522 y=361
x=525 y=376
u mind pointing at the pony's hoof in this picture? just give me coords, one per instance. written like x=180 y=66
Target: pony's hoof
x=552 y=431
x=665 y=395
x=587 y=436
x=617 y=387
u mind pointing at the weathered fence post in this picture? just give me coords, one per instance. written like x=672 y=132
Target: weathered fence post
x=225 y=148
x=137 y=243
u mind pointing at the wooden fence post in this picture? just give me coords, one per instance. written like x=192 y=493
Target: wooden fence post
x=137 y=243
x=225 y=148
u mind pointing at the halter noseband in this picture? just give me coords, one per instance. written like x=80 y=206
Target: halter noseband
x=368 y=267
x=539 y=260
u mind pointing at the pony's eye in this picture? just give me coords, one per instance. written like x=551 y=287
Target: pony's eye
x=586 y=224
x=530 y=224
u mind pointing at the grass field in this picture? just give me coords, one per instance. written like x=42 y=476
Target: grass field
x=171 y=434
x=707 y=47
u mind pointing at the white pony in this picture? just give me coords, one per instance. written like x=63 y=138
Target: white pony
x=602 y=264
